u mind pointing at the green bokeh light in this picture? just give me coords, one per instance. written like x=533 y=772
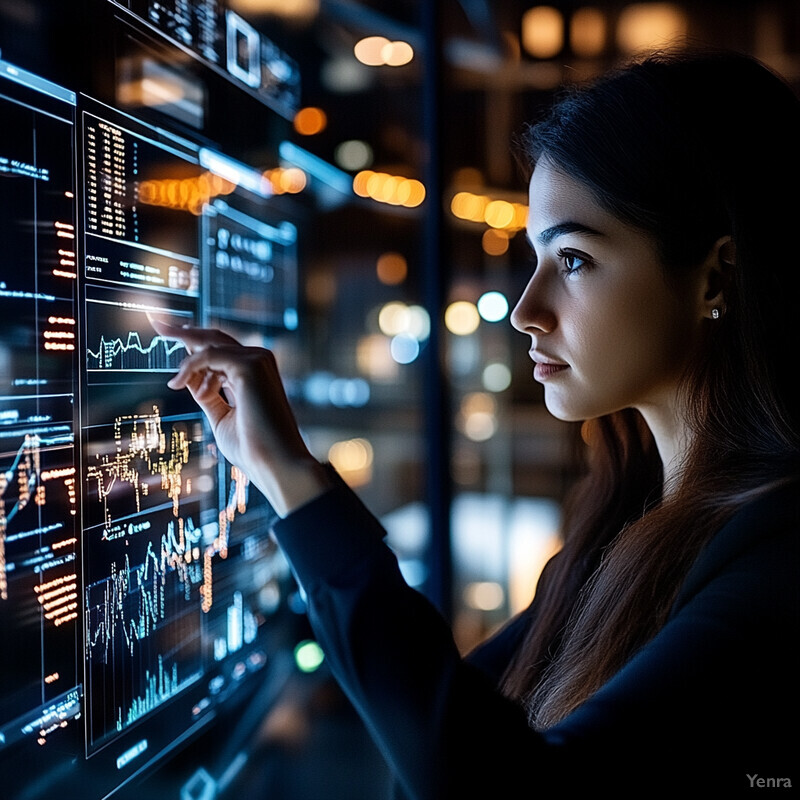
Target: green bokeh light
x=308 y=656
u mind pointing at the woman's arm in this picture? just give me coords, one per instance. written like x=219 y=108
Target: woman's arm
x=702 y=705
x=240 y=390
x=390 y=649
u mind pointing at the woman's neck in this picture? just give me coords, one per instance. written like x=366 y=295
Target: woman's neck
x=672 y=438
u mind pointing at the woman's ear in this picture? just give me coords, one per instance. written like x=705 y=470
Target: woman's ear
x=718 y=268
x=726 y=248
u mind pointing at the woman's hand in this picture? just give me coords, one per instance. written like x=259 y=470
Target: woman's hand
x=241 y=393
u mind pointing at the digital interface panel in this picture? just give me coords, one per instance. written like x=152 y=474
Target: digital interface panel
x=39 y=480
x=225 y=40
x=251 y=274
x=139 y=585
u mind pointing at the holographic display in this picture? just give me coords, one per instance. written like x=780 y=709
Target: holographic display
x=139 y=584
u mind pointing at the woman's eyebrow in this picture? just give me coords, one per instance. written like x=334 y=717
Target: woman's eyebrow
x=548 y=234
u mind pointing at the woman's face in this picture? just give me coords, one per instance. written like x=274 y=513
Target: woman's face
x=607 y=331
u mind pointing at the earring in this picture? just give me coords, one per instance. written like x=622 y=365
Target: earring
x=715 y=313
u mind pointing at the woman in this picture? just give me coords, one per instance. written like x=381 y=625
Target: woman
x=658 y=653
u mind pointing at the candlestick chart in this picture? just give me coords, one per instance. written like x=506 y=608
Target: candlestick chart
x=145 y=511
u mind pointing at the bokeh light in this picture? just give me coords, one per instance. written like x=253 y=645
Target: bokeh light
x=587 y=32
x=353 y=154
x=494 y=242
x=352 y=459
x=310 y=120
x=484 y=595
x=392 y=268
x=369 y=50
x=308 y=656
x=378 y=51
x=462 y=318
x=393 y=318
x=396 y=54
x=496 y=377
x=477 y=417
x=404 y=348
x=493 y=306
x=543 y=31
x=647 y=26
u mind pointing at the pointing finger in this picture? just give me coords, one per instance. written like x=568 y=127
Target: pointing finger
x=193 y=338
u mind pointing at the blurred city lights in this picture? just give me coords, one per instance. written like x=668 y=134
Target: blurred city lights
x=484 y=595
x=286 y=180
x=419 y=323
x=397 y=319
x=493 y=306
x=308 y=656
x=532 y=528
x=480 y=426
x=351 y=454
x=464 y=356
x=462 y=318
x=344 y=74
x=468 y=176
x=477 y=418
x=646 y=26
x=404 y=348
x=396 y=54
x=393 y=318
x=378 y=51
x=316 y=388
x=414 y=571
x=494 y=242
x=392 y=268
x=325 y=389
x=587 y=32
x=352 y=459
x=391 y=189
x=310 y=120
x=298 y=10
x=188 y=194
x=369 y=50
x=543 y=31
x=321 y=287
x=353 y=154
x=466 y=205
x=496 y=377
x=498 y=214
x=374 y=358
x=349 y=392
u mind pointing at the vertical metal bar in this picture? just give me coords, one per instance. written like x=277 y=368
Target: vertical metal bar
x=436 y=278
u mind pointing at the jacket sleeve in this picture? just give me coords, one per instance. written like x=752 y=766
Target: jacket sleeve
x=393 y=653
x=707 y=683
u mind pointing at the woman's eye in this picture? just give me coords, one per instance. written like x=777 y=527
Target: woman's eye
x=573 y=262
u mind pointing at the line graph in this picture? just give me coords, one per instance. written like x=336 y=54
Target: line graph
x=121 y=341
x=128 y=606
x=132 y=355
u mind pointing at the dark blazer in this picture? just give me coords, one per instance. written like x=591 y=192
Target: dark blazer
x=708 y=706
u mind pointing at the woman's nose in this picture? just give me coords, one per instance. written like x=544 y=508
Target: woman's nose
x=533 y=313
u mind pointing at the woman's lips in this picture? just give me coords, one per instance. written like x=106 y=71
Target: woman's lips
x=543 y=370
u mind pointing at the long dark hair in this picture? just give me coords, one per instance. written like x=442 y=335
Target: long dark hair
x=687 y=147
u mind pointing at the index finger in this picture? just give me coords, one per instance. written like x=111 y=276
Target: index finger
x=193 y=338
